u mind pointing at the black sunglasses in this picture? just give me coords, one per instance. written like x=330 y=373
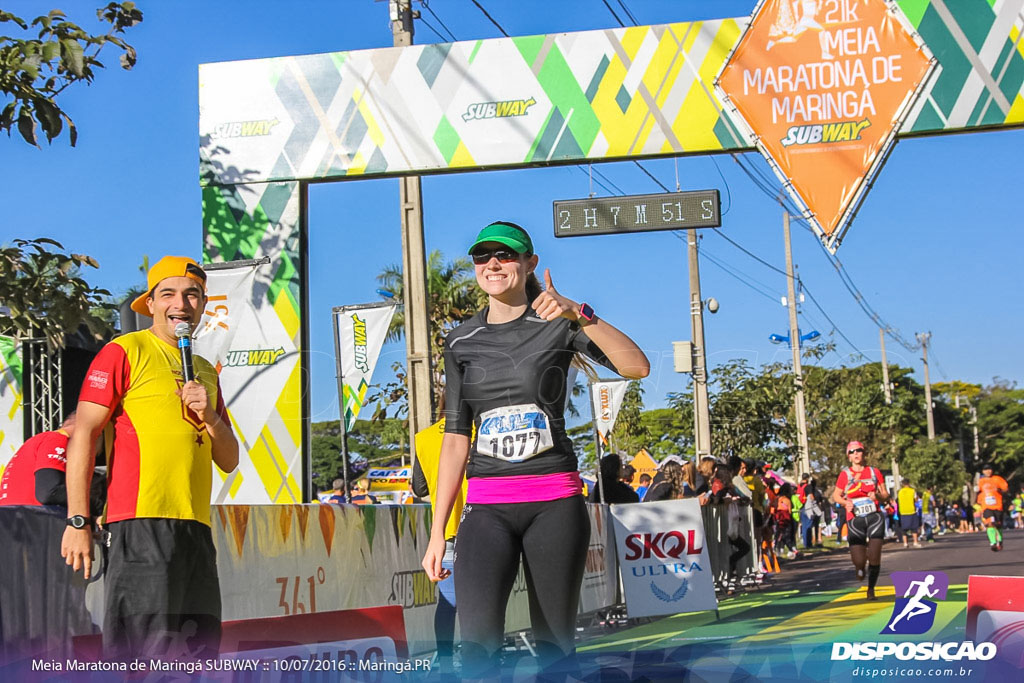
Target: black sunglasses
x=855 y=450
x=484 y=256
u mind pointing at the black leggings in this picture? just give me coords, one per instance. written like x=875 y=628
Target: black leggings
x=552 y=538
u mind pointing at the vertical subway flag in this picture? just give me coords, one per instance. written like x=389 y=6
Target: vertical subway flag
x=256 y=358
x=606 y=398
x=360 y=331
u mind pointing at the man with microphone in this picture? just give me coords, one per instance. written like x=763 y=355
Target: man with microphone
x=162 y=595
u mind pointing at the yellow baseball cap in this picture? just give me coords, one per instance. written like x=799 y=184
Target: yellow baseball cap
x=168 y=266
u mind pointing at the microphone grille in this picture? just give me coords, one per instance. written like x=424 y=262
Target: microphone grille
x=182 y=330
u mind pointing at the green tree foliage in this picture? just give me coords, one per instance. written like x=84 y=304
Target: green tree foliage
x=630 y=432
x=934 y=463
x=748 y=412
x=848 y=403
x=42 y=294
x=371 y=443
x=453 y=298
x=54 y=54
x=1001 y=426
x=670 y=432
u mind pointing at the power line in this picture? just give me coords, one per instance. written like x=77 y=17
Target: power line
x=443 y=25
x=649 y=175
x=490 y=18
x=598 y=182
x=436 y=33
x=749 y=253
x=628 y=13
x=804 y=288
x=766 y=263
x=613 y=13
x=728 y=191
x=762 y=183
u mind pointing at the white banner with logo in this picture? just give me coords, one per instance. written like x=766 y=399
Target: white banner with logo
x=255 y=357
x=663 y=558
x=360 y=334
x=606 y=399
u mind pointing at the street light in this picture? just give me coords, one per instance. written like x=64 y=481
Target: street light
x=784 y=339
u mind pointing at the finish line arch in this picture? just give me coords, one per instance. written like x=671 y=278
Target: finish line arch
x=269 y=127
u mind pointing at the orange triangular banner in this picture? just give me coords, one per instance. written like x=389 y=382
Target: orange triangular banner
x=327 y=526
x=238 y=517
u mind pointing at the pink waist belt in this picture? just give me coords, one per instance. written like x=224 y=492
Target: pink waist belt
x=531 y=488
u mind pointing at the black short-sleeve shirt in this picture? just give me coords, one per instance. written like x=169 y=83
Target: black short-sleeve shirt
x=509 y=381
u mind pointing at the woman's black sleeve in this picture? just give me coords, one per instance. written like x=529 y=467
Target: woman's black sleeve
x=458 y=417
x=581 y=342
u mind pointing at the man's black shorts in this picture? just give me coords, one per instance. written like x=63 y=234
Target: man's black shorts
x=996 y=515
x=860 y=529
x=162 y=592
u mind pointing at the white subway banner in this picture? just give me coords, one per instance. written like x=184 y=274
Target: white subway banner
x=242 y=336
x=361 y=331
x=663 y=558
x=606 y=398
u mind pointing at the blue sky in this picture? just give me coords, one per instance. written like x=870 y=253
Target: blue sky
x=934 y=247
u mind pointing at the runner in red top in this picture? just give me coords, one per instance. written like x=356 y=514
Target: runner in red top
x=44 y=451
x=860 y=489
x=991 y=489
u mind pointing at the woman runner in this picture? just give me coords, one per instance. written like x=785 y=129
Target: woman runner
x=860 y=489
x=506 y=379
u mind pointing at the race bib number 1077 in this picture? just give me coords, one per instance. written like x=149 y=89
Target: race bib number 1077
x=514 y=433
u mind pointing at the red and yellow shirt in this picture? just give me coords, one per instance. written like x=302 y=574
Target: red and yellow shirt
x=47 y=450
x=990 y=496
x=160 y=463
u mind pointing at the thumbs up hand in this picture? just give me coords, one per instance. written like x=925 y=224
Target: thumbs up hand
x=550 y=304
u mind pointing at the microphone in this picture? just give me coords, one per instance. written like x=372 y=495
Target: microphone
x=183 y=331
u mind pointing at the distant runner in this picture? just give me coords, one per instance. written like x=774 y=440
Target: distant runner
x=990 y=497
x=860 y=489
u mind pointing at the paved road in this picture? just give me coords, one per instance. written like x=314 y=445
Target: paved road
x=785 y=630
x=958 y=555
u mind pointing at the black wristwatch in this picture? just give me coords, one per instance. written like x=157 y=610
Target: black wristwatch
x=79 y=522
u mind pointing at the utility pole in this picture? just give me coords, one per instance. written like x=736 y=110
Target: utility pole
x=887 y=387
x=960 y=430
x=414 y=269
x=701 y=408
x=974 y=424
x=924 y=337
x=803 y=455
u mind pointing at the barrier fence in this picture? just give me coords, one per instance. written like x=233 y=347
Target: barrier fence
x=280 y=560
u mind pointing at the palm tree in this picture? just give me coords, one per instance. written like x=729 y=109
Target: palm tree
x=452 y=297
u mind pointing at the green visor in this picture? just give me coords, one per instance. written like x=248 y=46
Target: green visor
x=509 y=234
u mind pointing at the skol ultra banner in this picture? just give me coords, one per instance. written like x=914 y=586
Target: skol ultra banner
x=823 y=88
x=360 y=332
x=11 y=413
x=256 y=358
x=606 y=399
x=663 y=558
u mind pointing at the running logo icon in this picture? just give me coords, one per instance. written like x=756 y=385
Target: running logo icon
x=914 y=613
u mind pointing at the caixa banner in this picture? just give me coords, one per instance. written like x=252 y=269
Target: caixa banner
x=663 y=558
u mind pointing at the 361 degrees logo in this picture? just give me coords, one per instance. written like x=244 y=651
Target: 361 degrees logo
x=914 y=613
